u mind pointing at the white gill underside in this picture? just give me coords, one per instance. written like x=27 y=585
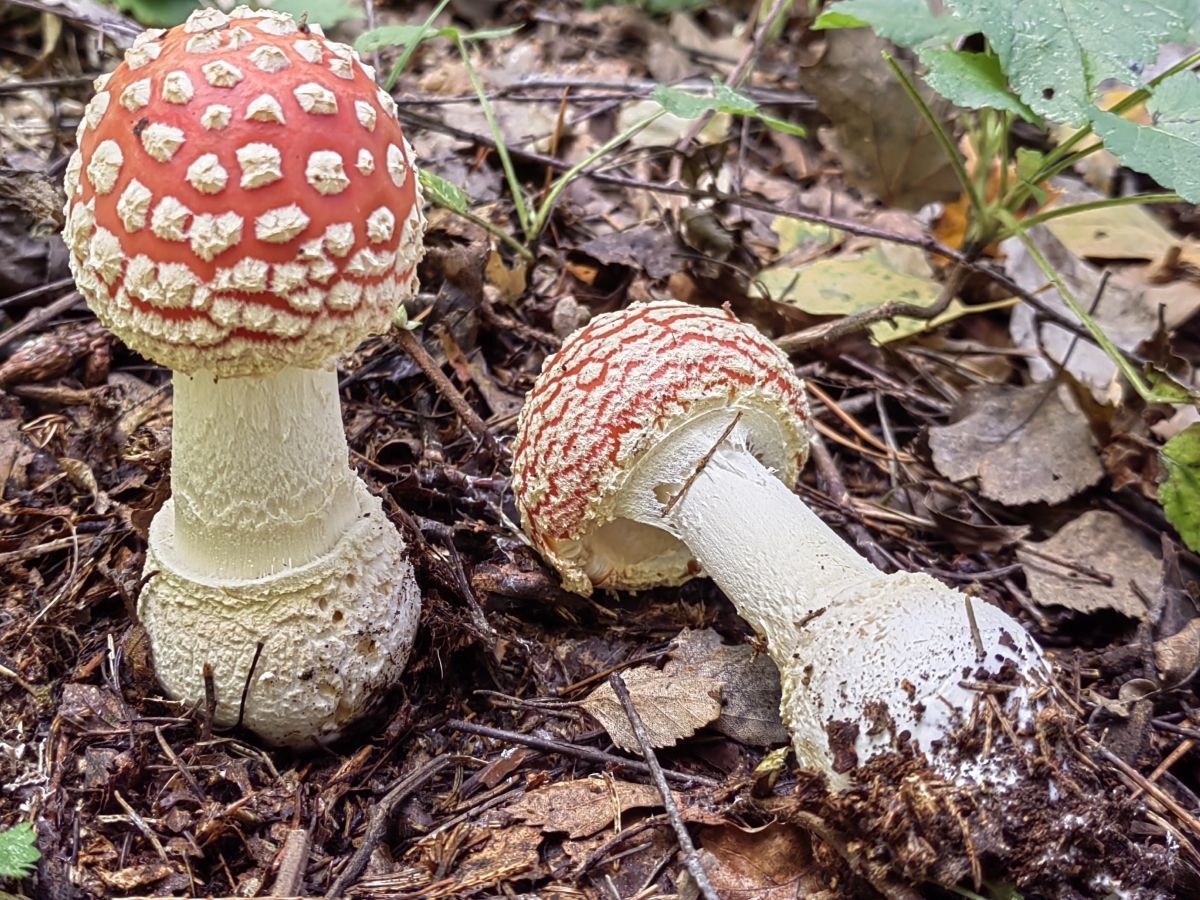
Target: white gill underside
x=886 y=653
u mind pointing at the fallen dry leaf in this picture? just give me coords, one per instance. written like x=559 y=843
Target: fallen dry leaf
x=582 y=807
x=1120 y=312
x=1022 y=444
x=749 y=683
x=1104 y=542
x=883 y=147
x=1178 y=656
x=774 y=863
x=671 y=706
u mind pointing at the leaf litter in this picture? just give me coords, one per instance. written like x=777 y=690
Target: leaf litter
x=961 y=450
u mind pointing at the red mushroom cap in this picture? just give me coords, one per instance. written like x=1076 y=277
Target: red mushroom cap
x=617 y=386
x=242 y=198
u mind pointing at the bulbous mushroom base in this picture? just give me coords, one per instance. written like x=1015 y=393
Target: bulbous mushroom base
x=895 y=663
x=335 y=632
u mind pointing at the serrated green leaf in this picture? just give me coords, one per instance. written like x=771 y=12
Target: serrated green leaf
x=972 y=80
x=1057 y=52
x=1168 y=149
x=909 y=23
x=18 y=851
x=444 y=193
x=1179 y=493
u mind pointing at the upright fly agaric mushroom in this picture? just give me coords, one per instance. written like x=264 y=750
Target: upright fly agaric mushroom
x=242 y=208
x=665 y=438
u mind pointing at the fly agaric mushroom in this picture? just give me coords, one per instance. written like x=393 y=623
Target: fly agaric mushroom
x=664 y=438
x=242 y=208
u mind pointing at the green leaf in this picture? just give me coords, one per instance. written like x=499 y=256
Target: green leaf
x=397 y=36
x=326 y=13
x=972 y=80
x=405 y=35
x=18 y=851
x=1179 y=493
x=908 y=23
x=1168 y=149
x=724 y=99
x=1057 y=52
x=444 y=193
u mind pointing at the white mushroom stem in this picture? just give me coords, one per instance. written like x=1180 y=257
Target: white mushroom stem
x=260 y=471
x=273 y=566
x=868 y=661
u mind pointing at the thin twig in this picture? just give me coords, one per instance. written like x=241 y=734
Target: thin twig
x=36 y=320
x=830 y=480
x=416 y=350
x=381 y=815
x=704 y=461
x=691 y=859
x=591 y=755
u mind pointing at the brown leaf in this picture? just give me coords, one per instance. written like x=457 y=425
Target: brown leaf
x=1022 y=444
x=877 y=135
x=749 y=683
x=1178 y=656
x=135 y=876
x=1102 y=541
x=583 y=807
x=671 y=707
x=775 y=863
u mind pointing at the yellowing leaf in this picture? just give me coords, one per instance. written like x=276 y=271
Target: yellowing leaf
x=1114 y=232
x=671 y=707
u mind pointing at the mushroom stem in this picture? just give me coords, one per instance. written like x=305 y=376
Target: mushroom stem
x=260 y=472
x=869 y=662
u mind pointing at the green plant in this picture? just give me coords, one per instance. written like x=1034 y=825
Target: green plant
x=533 y=219
x=18 y=851
x=1046 y=61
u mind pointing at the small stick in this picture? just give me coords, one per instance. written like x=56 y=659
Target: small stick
x=141 y=826
x=691 y=859
x=258 y=649
x=700 y=465
x=210 y=703
x=183 y=770
x=380 y=817
x=416 y=350
x=596 y=756
x=1173 y=757
x=831 y=480
x=1149 y=787
x=293 y=860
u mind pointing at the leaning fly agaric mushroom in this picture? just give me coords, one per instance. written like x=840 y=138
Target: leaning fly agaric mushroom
x=664 y=439
x=242 y=208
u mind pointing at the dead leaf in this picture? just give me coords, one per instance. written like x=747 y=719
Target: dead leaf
x=774 y=863
x=125 y=880
x=1023 y=444
x=1112 y=232
x=511 y=282
x=653 y=249
x=879 y=138
x=15 y=457
x=1178 y=656
x=1104 y=542
x=749 y=681
x=671 y=707
x=1120 y=312
x=582 y=807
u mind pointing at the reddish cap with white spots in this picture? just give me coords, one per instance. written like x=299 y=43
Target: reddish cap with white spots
x=616 y=389
x=242 y=198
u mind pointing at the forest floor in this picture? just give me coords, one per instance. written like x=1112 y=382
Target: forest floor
x=955 y=447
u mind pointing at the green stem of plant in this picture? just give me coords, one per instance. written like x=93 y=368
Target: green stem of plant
x=960 y=170
x=495 y=231
x=560 y=183
x=402 y=62
x=510 y=173
x=1114 y=352
x=1105 y=203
